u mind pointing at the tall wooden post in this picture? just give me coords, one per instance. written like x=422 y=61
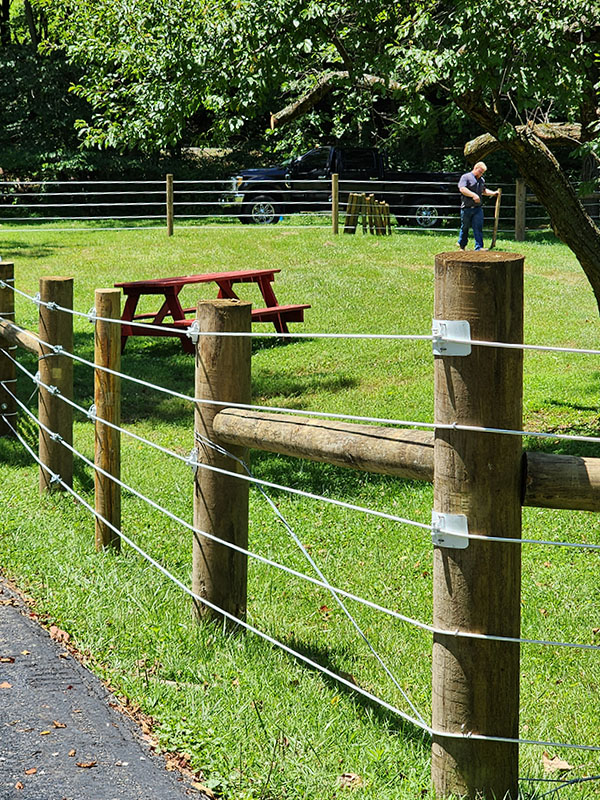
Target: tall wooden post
x=219 y=573
x=478 y=475
x=520 y=209
x=8 y=370
x=170 y=205
x=56 y=370
x=107 y=399
x=335 y=204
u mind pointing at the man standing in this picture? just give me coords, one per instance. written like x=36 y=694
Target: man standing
x=472 y=187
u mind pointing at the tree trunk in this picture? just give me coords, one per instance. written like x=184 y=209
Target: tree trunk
x=31 y=24
x=5 y=22
x=544 y=175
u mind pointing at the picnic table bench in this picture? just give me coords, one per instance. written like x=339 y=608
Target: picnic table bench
x=171 y=318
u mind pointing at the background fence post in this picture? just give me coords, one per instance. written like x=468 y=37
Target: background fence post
x=107 y=399
x=335 y=203
x=8 y=371
x=477 y=589
x=56 y=328
x=520 y=209
x=170 y=206
x=219 y=573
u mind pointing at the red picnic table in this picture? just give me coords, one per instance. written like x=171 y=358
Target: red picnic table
x=171 y=307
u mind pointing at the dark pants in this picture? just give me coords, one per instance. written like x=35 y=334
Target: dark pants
x=471 y=217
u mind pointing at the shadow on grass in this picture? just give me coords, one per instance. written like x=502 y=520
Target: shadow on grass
x=13 y=453
x=319 y=477
x=12 y=249
x=161 y=361
x=382 y=716
x=586 y=427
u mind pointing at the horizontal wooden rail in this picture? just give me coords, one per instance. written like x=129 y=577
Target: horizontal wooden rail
x=549 y=481
x=390 y=451
x=14 y=335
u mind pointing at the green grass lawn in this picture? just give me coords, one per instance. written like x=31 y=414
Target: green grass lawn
x=254 y=721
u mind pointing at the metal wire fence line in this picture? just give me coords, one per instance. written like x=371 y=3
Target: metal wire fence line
x=205 y=203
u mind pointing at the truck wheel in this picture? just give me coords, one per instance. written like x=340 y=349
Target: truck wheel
x=425 y=215
x=262 y=210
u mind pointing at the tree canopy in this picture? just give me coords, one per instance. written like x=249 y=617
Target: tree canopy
x=150 y=66
x=514 y=68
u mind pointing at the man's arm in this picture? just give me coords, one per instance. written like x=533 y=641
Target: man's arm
x=468 y=193
x=489 y=193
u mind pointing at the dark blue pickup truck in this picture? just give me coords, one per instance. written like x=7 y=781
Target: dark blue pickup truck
x=418 y=199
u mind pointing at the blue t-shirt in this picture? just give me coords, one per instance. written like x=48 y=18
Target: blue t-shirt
x=473 y=184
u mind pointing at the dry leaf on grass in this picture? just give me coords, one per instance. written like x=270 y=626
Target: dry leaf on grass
x=205 y=790
x=7 y=660
x=59 y=724
x=19 y=785
x=554 y=764
x=72 y=753
x=86 y=764
x=31 y=771
x=350 y=780
x=58 y=635
x=5 y=685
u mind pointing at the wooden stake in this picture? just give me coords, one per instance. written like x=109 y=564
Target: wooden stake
x=335 y=204
x=170 y=205
x=370 y=212
x=476 y=682
x=496 y=219
x=56 y=328
x=364 y=213
x=107 y=399
x=350 y=207
x=219 y=574
x=520 y=209
x=8 y=370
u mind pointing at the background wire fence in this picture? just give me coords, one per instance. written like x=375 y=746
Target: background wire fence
x=135 y=204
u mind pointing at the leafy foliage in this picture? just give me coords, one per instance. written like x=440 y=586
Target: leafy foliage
x=151 y=67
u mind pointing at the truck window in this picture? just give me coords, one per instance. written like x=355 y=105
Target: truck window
x=364 y=162
x=313 y=163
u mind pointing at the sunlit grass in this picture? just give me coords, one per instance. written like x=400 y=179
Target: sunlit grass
x=254 y=721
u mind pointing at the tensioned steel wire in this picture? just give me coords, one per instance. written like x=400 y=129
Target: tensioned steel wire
x=323 y=581
x=269 y=484
x=313 y=664
x=195 y=463
x=91 y=316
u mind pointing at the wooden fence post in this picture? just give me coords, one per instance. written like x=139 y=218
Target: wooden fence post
x=8 y=371
x=107 y=399
x=520 y=209
x=335 y=204
x=56 y=370
x=170 y=205
x=219 y=573
x=478 y=475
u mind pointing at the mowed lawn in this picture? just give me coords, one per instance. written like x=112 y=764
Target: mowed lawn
x=253 y=720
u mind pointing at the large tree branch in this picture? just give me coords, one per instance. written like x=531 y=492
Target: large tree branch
x=549 y=183
x=552 y=134
x=326 y=83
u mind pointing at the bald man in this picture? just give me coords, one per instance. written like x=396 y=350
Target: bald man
x=472 y=188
